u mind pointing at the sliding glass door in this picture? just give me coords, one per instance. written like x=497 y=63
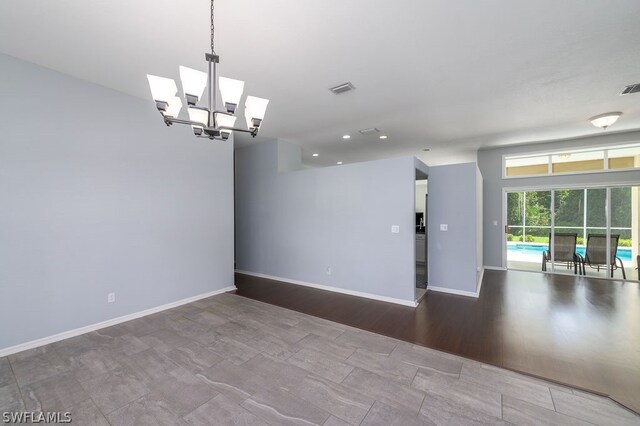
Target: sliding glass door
x=569 y=225
x=528 y=228
x=623 y=242
x=591 y=231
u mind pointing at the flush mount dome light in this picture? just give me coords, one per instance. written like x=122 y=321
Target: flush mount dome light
x=383 y=136
x=346 y=136
x=605 y=120
x=315 y=154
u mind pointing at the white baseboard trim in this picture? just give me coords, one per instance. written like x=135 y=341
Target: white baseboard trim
x=108 y=323
x=479 y=285
x=410 y=303
x=454 y=291
x=495 y=268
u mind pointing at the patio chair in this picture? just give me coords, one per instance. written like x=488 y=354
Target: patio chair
x=596 y=253
x=564 y=252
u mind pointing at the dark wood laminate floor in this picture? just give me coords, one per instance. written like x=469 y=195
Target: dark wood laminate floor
x=582 y=332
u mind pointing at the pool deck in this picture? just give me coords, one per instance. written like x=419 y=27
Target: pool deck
x=534 y=264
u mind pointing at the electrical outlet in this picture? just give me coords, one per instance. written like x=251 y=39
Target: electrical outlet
x=111 y=297
x=395 y=229
x=444 y=227
x=328 y=270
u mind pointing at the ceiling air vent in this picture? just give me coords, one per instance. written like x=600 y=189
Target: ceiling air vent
x=369 y=131
x=633 y=88
x=341 y=88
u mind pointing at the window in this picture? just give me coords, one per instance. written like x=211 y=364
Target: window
x=577 y=162
x=527 y=166
x=624 y=158
x=592 y=160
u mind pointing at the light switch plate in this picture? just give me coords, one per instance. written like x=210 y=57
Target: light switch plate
x=444 y=227
x=395 y=229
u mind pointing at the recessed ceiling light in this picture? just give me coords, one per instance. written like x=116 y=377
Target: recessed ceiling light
x=605 y=120
x=427 y=149
x=383 y=136
x=315 y=154
x=346 y=136
x=339 y=162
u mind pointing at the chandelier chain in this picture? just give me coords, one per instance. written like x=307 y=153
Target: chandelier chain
x=212 y=31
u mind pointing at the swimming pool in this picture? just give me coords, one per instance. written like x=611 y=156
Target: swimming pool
x=624 y=253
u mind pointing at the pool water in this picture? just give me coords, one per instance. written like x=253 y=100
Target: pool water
x=624 y=253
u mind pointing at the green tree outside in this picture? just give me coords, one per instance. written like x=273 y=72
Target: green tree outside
x=534 y=209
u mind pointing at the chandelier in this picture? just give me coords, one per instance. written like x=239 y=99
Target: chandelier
x=207 y=122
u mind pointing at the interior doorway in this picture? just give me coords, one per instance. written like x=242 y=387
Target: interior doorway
x=421 y=230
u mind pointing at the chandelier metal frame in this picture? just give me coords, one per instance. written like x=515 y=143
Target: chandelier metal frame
x=207 y=122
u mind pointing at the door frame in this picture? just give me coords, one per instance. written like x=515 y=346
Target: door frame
x=553 y=188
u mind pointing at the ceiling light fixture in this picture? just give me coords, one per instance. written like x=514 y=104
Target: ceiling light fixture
x=339 y=162
x=383 y=136
x=315 y=154
x=346 y=136
x=207 y=122
x=605 y=120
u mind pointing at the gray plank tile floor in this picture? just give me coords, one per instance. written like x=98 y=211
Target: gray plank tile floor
x=231 y=360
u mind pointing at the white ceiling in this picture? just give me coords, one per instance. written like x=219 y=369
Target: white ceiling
x=449 y=75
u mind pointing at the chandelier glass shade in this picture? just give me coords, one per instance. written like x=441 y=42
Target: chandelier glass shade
x=209 y=122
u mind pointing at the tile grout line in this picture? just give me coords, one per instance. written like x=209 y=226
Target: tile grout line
x=206 y=402
x=341 y=333
x=414 y=377
x=424 y=398
x=368 y=411
x=289 y=391
x=96 y=405
x=15 y=379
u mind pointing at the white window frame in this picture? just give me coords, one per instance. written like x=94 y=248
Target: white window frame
x=559 y=187
x=551 y=153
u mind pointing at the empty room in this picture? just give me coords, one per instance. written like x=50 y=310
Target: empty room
x=286 y=212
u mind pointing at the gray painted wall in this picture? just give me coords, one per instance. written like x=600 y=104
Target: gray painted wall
x=490 y=163
x=422 y=167
x=454 y=256
x=295 y=224
x=479 y=224
x=289 y=157
x=98 y=196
